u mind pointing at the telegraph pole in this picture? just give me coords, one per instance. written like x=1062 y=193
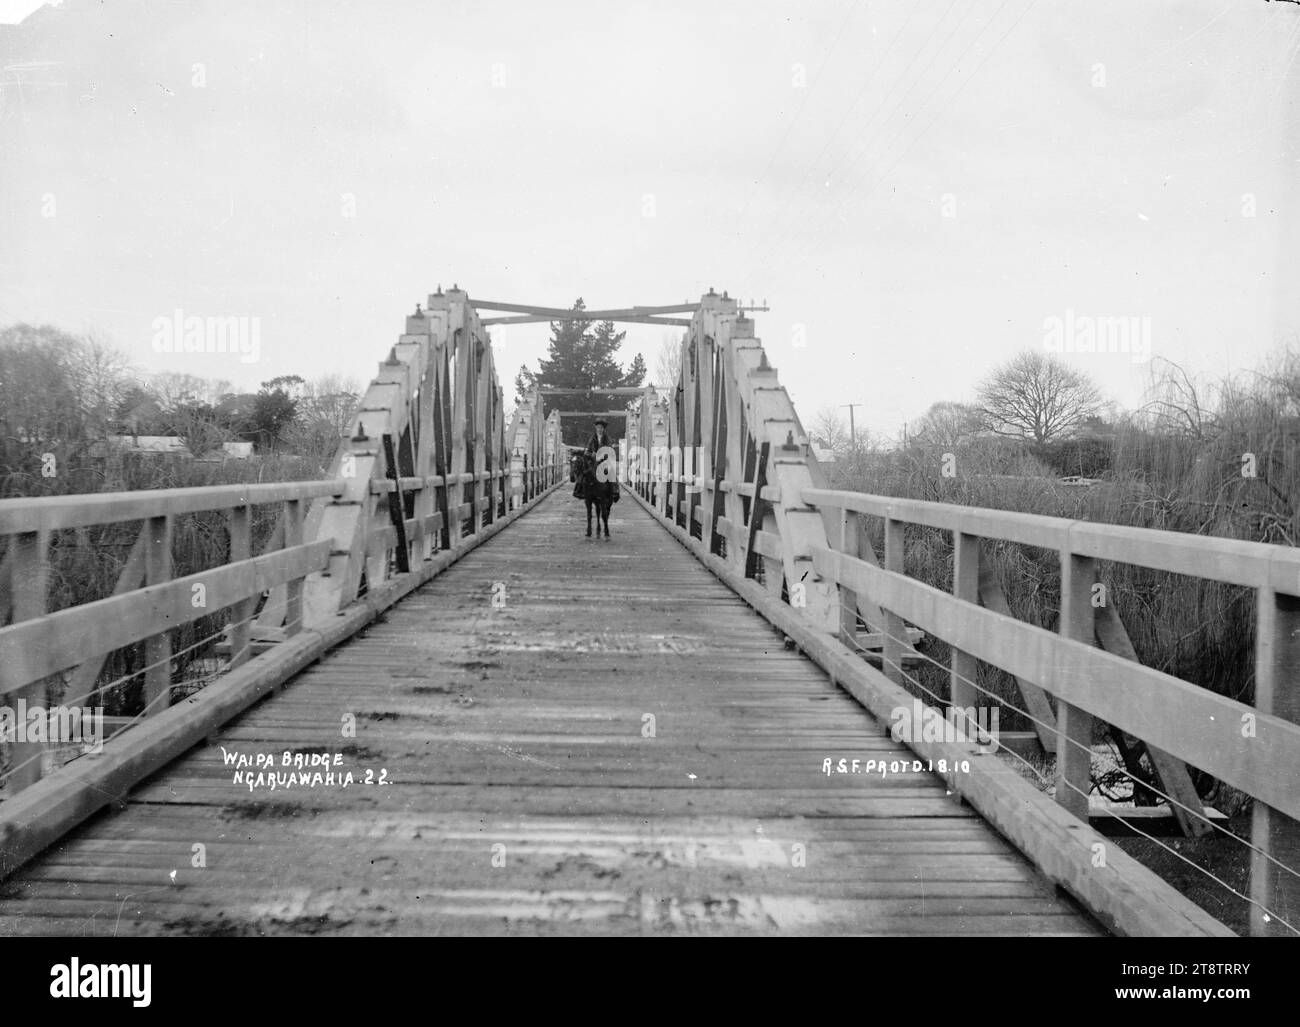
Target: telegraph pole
x=853 y=433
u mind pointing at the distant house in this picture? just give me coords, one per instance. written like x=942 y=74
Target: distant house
x=1095 y=428
x=824 y=454
x=228 y=451
x=160 y=445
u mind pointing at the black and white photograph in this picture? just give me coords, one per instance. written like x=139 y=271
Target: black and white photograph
x=787 y=469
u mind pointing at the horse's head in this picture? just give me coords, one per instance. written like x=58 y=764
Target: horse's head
x=577 y=465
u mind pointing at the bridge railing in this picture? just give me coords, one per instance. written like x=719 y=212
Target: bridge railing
x=61 y=654
x=723 y=459
x=427 y=471
x=1253 y=748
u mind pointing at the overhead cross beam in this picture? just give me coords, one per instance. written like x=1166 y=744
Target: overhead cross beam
x=638 y=315
x=622 y=390
x=528 y=319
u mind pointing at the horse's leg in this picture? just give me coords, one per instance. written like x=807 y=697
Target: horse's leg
x=604 y=513
x=589 y=518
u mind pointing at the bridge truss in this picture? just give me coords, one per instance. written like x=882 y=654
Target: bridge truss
x=430 y=469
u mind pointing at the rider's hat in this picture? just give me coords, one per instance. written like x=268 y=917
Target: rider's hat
x=601 y=420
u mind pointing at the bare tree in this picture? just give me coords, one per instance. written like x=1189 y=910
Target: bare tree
x=324 y=414
x=668 y=365
x=1176 y=403
x=199 y=429
x=173 y=389
x=40 y=408
x=1036 y=396
x=101 y=376
x=331 y=398
x=828 y=428
x=947 y=425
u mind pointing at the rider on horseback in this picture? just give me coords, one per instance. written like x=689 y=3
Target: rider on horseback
x=601 y=450
x=599 y=438
x=595 y=473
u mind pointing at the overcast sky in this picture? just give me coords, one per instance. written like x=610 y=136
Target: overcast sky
x=915 y=189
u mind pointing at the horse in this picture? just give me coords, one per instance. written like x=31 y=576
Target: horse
x=592 y=490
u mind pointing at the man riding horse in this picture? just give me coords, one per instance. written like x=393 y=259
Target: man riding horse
x=595 y=471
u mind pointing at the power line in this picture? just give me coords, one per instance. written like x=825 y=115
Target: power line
x=785 y=230
x=857 y=97
x=866 y=148
x=940 y=110
x=802 y=104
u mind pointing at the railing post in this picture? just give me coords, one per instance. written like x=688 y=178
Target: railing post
x=30 y=573
x=293 y=529
x=1274 y=892
x=895 y=629
x=241 y=614
x=1073 y=725
x=157 y=648
x=848 y=598
x=962 y=693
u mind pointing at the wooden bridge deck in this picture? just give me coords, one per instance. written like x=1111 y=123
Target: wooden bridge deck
x=516 y=737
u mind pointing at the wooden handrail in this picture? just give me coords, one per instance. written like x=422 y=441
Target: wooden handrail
x=36 y=648
x=1193 y=723
x=1232 y=561
x=52 y=513
x=1255 y=749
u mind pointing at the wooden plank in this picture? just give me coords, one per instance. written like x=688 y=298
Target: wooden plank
x=1073 y=724
x=1274 y=889
x=241 y=614
x=1236 y=562
x=52 y=513
x=849 y=539
x=56 y=641
x=1127 y=897
x=397 y=508
x=766 y=543
x=1028 y=529
x=82 y=682
x=271 y=614
x=30 y=591
x=876 y=640
x=894 y=627
x=407 y=483
x=520 y=319
x=756 y=509
x=1042 y=717
x=562 y=314
x=1190 y=722
x=1171 y=774
x=872 y=615
x=6 y=585
x=1144 y=821
x=157 y=644
x=964 y=670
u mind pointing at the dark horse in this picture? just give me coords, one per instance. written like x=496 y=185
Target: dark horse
x=595 y=488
